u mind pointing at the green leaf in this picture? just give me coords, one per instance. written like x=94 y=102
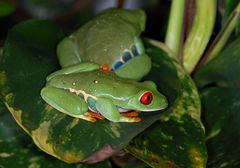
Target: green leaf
x=218 y=81
x=229 y=6
x=18 y=150
x=201 y=31
x=177 y=138
x=46 y=9
x=6 y=8
x=28 y=57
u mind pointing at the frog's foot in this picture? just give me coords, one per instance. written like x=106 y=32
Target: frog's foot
x=110 y=111
x=130 y=119
x=105 y=68
x=91 y=119
x=96 y=115
x=85 y=116
x=131 y=114
x=137 y=119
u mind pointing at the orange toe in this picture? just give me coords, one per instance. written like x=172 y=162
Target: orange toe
x=96 y=115
x=105 y=68
x=131 y=114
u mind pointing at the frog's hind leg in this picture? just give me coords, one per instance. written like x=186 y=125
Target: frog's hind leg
x=66 y=102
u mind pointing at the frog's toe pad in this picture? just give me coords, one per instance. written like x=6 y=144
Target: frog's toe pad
x=130 y=119
x=136 y=119
x=87 y=117
x=105 y=68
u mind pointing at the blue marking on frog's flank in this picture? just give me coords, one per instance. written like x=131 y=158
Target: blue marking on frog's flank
x=135 y=51
x=126 y=56
x=117 y=65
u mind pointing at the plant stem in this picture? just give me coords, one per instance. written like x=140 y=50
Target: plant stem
x=175 y=26
x=120 y=3
x=224 y=34
x=200 y=33
x=163 y=46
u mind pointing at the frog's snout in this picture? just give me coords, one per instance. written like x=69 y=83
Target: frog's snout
x=163 y=103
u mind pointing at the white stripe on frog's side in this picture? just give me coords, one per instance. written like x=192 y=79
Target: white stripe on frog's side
x=131 y=54
x=85 y=96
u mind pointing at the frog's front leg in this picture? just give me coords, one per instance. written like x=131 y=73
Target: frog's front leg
x=109 y=110
x=66 y=102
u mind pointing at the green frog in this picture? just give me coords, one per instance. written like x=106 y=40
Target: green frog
x=111 y=40
x=84 y=87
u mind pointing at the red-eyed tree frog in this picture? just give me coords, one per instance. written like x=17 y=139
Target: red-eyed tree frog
x=81 y=88
x=112 y=39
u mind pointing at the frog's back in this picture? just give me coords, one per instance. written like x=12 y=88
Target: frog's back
x=97 y=83
x=97 y=40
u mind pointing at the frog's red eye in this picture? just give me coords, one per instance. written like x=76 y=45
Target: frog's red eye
x=146 y=98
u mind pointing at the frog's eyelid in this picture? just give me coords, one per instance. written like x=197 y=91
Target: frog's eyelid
x=146 y=98
x=143 y=92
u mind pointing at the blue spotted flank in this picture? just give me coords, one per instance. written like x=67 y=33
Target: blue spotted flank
x=126 y=56
x=117 y=65
x=135 y=51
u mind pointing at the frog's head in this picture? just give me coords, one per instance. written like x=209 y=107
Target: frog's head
x=148 y=98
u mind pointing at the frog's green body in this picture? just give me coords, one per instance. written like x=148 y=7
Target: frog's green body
x=111 y=38
x=87 y=88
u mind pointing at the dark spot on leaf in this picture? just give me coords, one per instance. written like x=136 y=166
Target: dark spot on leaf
x=155 y=160
x=105 y=152
x=170 y=165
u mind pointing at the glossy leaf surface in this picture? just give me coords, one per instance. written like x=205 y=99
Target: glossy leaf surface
x=218 y=81
x=177 y=138
x=28 y=57
x=18 y=150
x=6 y=8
